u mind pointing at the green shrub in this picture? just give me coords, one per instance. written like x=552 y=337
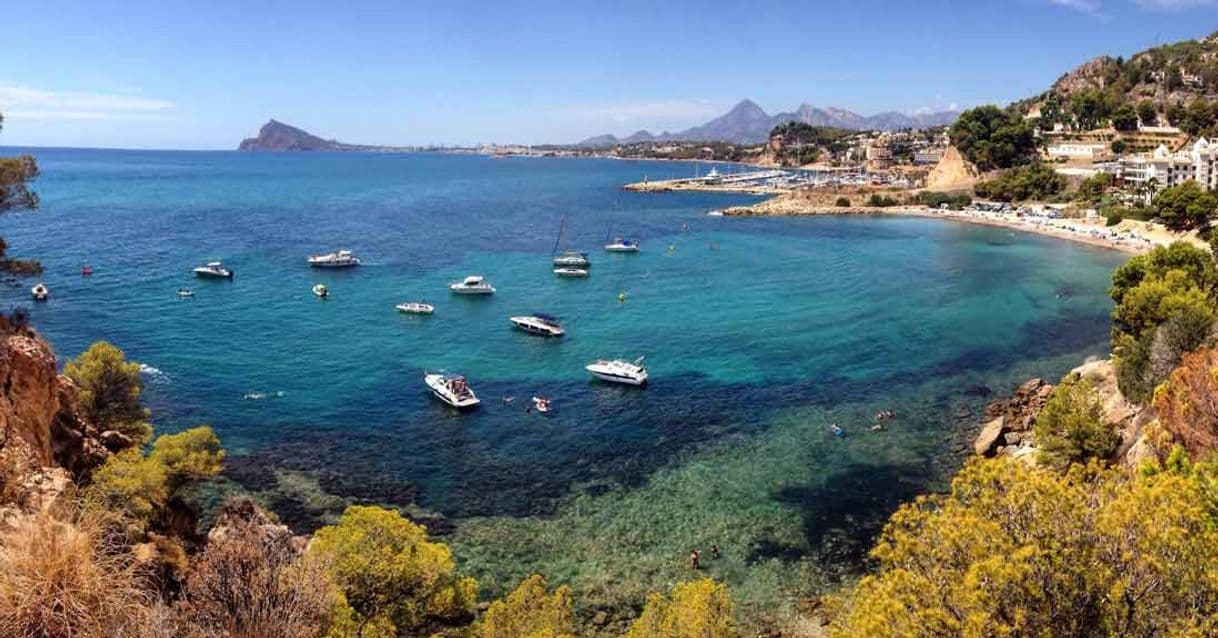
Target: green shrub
x=1072 y=427
x=842 y=202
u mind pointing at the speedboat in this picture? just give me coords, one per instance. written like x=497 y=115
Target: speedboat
x=572 y=259
x=185 y=292
x=472 y=285
x=538 y=324
x=619 y=371
x=213 y=270
x=40 y=291
x=321 y=291
x=620 y=245
x=415 y=308
x=336 y=259
x=570 y=272
x=452 y=389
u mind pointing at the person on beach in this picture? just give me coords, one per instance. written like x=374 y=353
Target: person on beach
x=695 y=559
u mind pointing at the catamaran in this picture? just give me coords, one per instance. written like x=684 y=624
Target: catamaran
x=452 y=389
x=538 y=324
x=336 y=259
x=619 y=371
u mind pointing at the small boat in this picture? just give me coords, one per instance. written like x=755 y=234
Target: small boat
x=40 y=292
x=213 y=270
x=185 y=292
x=321 y=291
x=570 y=272
x=472 y=285
x=541 y=404
x=619 y=371
x=415 y=308
x=538 y=324
x=452 y=389
x=572 y=259
x=620 y=245
x=336 y=259
x=86 y=270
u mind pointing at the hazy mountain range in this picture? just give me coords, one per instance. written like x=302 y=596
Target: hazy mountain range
x=747 y=123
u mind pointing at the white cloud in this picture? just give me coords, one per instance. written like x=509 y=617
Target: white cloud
x=647 y=111
x=23 y=102
x=1086 y=6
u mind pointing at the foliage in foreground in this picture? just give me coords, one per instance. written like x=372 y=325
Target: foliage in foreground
x=697 y=609
x=1013 y=550
x=69 y=578
x=529 y=612
x=392 y=579
x=1072 y=427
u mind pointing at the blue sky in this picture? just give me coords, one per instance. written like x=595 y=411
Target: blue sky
x=202 y=75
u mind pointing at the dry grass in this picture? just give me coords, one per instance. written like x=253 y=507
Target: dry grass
x=69 y=579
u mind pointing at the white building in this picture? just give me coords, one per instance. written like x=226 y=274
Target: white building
x=1198 y=163
x=1078 y=150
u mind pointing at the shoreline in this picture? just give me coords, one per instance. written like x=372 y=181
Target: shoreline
x=1130 y=236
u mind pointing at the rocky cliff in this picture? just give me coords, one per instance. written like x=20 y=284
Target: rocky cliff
x=45 y=440
x=277 y=137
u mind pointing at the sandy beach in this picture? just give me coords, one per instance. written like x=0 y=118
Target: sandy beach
x=1132 y=236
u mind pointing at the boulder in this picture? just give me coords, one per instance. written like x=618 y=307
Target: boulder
x=990 y=437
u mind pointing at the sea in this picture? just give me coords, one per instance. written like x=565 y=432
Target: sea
x=758 y=334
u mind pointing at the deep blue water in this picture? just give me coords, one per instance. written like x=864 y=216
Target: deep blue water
x=741 y=319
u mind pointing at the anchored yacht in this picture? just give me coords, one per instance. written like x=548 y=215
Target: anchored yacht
x=572 y=259
x=619 y=371
x=570 y=272
x=620 y=245
x=415 y=308
x=213 y=270
x=538 y=324
x=472 y=285
x=452 y=389
x=336 y=259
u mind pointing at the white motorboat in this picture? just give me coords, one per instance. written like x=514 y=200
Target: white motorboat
x=321 y=291
x=336 y=259
x=620 y=245
x=472 y=285
x=619 y=371
x=213 y=270
x=570 y=272
x=452 y=389
x=415 y=308
x=40 y=292
x=538 y=324
x=572 y=259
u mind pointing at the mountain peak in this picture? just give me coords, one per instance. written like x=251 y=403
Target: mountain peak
x=276 y=136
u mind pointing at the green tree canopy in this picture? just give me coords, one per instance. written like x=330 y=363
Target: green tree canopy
x=392 y=579
x=1185 y=207
x=993 y=138
x=110 y=389
x=1038 y=182
x=1125 y=118
x=1072 y=427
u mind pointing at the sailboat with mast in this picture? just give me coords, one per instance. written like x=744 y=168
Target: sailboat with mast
x=568 y=261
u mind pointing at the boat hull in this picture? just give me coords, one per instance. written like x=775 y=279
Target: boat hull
x=435 y=383
x=624 y=380
x=533 y=329
x=621 y=249
x=571 y=272
x=472 y=291
x=207 y=274
x=333 y=266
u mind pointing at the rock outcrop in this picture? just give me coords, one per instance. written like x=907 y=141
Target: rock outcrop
x=45 y=440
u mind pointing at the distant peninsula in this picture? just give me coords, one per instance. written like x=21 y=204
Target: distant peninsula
x=277 y=137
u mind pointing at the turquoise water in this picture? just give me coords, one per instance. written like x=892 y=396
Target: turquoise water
x=758 y=332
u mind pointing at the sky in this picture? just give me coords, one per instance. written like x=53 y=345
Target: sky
x=203 y=75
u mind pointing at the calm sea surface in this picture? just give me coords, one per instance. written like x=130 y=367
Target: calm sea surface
x=758 y=333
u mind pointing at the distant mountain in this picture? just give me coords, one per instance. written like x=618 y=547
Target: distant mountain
x=747 y=123
x=277 y=137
